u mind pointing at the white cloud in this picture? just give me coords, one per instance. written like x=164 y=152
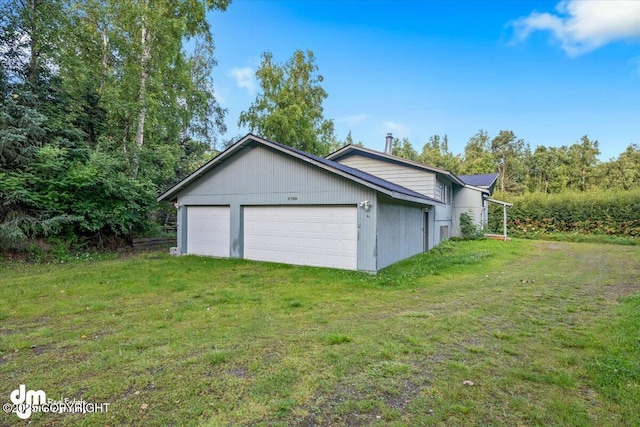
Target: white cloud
x=397 y=129
x=245 y=78
x=582 y=26
x=353 y=119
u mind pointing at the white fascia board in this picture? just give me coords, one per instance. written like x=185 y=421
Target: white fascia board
x=482 y=190
x=500 y=202
x=413 y=199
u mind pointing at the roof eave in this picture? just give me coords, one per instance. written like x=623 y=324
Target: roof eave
x=172 y=192
x=413 y=199
x=500 y=202
x=338 y=152
x=473 y=187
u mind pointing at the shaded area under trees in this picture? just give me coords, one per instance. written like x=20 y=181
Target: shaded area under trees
x=102 y=104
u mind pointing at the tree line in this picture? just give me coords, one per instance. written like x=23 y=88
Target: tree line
x=550 y=170
x=289 y=110
x=102 y=104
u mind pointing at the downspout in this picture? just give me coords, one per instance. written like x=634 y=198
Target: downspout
x=504 y=221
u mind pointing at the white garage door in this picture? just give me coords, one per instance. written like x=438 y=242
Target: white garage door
x=208 y=230
x=324 y=236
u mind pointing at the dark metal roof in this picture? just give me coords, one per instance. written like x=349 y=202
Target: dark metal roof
x=372 y=179
x=486 y=180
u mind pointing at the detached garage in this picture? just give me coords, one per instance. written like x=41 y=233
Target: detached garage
x=264 y=201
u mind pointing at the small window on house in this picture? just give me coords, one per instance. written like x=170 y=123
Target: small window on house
x=447 y=194
x=439 y=191
x=443 y=192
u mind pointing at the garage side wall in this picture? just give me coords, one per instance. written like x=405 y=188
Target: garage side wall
x=260 y=176
x=400 y=231
x=182 y=229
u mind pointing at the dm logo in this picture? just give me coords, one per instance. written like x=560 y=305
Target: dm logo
x=25 y=400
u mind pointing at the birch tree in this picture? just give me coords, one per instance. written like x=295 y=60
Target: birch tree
x=100 y=100
x=510 y=156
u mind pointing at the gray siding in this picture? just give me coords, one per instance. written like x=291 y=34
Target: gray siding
x=261 y=176
x=426 y=182
x=468 y=200
x=400 y=231
x=367 y=239
x=181 y=229
x=443 y=217
x=431 y=228
x=418 y=180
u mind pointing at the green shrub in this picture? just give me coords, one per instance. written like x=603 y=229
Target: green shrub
x=70 y=193
x=468 y=228
x=607 y=213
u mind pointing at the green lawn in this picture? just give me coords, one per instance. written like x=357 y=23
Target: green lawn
x=548 y=333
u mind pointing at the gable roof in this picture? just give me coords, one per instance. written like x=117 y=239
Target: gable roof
x=353 y=149
x=487 y=181
x=393 y=190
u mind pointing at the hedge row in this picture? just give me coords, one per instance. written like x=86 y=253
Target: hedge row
x=614 y=213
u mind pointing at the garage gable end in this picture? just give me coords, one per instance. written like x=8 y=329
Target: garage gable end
x=280 y=209
x=350 y=174
x=260 y=175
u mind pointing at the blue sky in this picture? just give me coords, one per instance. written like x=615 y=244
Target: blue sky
x=551 y=72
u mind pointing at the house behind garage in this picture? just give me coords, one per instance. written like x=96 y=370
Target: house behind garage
x=357 y=209
x=456 y=195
